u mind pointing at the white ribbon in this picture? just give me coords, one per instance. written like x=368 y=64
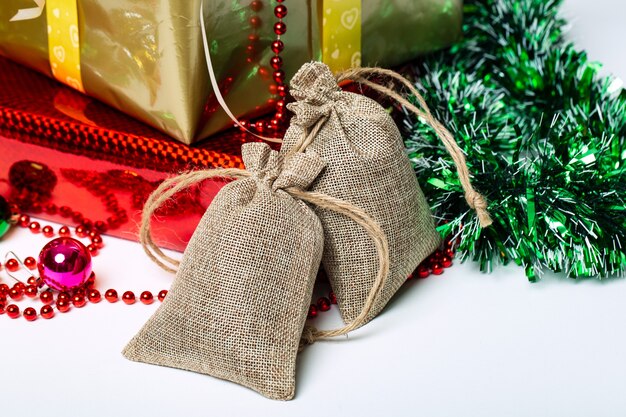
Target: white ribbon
x=216 y=88
x=31 y=13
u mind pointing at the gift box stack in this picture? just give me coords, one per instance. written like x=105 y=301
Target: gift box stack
x=129 y=101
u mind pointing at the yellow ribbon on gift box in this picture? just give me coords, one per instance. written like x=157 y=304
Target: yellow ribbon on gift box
x=63 y=38
x=341 y=34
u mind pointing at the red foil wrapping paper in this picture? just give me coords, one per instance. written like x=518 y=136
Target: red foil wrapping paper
x=59 y=148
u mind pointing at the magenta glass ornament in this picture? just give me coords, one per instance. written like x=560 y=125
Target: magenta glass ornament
x=64 y=264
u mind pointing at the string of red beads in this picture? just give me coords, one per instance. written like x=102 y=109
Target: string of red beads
x=63 y=301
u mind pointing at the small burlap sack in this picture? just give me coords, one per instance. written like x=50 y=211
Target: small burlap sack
x=238 y=305
x=366 y=165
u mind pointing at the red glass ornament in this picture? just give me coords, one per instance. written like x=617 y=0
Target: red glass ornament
x=94 y=296
x=46 y=297
x=12 y=265
x=128 y=297
x=34 y=227
x=280 y=11
x=13 y=311
x=30 y=314
x=146 y=297
x=111 y=296
x=48 y=231
x=162 y=295
x=280 y=28
x=312 y=312
x=47 y=312
x=63 y=306
x=323 y=304
x=277 y=46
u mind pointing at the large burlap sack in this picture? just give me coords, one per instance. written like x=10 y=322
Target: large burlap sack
x=239 y=303
x=366 y=165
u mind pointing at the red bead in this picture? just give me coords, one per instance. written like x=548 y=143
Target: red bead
x=47 y=312
x=66 y=211
x=46 y=297
x=253 y=37
x=282 y=90
x=280 y=104
x=63 y=296
x=446 y=262
x=437 y=269
x=81 y=231
x=90 y=281
x=32 y=281
x=312 y=312
x=94 y=296
x=48 y=231
x=276 y=62
x=146 y=297
x=13 y=311
x=12 y=265
x=93 y=249
x=100 y=226
x=279 y=75
x=16 y=293
x=280 y=28
x=3 y=307
x=64 y=231
x=77 y=217
x=111 y=296
x=97 y=240
x=323 y=304
x=277 y=46
x=280 y=11
x=256 y=5
x=24 y=220
x=63 y=306
x=79 y=300
x=422 y=271
x=255 y=21
x=4 y=289
x=162 y=295
x=449 y=253
x=87 y=224
x=50 y=208
x=30 y=314
x=128 y=297
x=332 y=297
x=259 y=125
x=30 y=263
x=31 y=291
x=34 y=227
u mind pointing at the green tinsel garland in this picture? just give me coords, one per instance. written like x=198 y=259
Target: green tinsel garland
x=544 y=137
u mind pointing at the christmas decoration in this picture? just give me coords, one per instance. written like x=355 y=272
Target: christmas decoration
x=544 y=136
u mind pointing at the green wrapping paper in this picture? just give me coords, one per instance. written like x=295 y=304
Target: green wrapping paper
x=146 y=58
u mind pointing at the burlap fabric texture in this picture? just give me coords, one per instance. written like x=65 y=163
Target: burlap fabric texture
x=366 y=165
x=239 y=302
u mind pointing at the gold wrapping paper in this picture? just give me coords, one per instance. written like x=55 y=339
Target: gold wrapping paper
x=146 y=59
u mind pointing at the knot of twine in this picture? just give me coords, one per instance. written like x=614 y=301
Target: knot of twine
x=170 y=187
x=474 y=199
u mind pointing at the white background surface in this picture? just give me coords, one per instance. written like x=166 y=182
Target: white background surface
x=462 y=344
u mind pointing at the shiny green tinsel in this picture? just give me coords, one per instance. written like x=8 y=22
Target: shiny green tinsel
x=545 y=139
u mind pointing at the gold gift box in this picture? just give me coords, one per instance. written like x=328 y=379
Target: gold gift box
x=146 y=58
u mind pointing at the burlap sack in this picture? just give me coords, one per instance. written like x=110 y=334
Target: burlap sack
x=239 y=303
x=366 y=166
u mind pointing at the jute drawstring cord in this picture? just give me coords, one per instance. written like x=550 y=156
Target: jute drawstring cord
x=359 y=75
x=174 y=185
